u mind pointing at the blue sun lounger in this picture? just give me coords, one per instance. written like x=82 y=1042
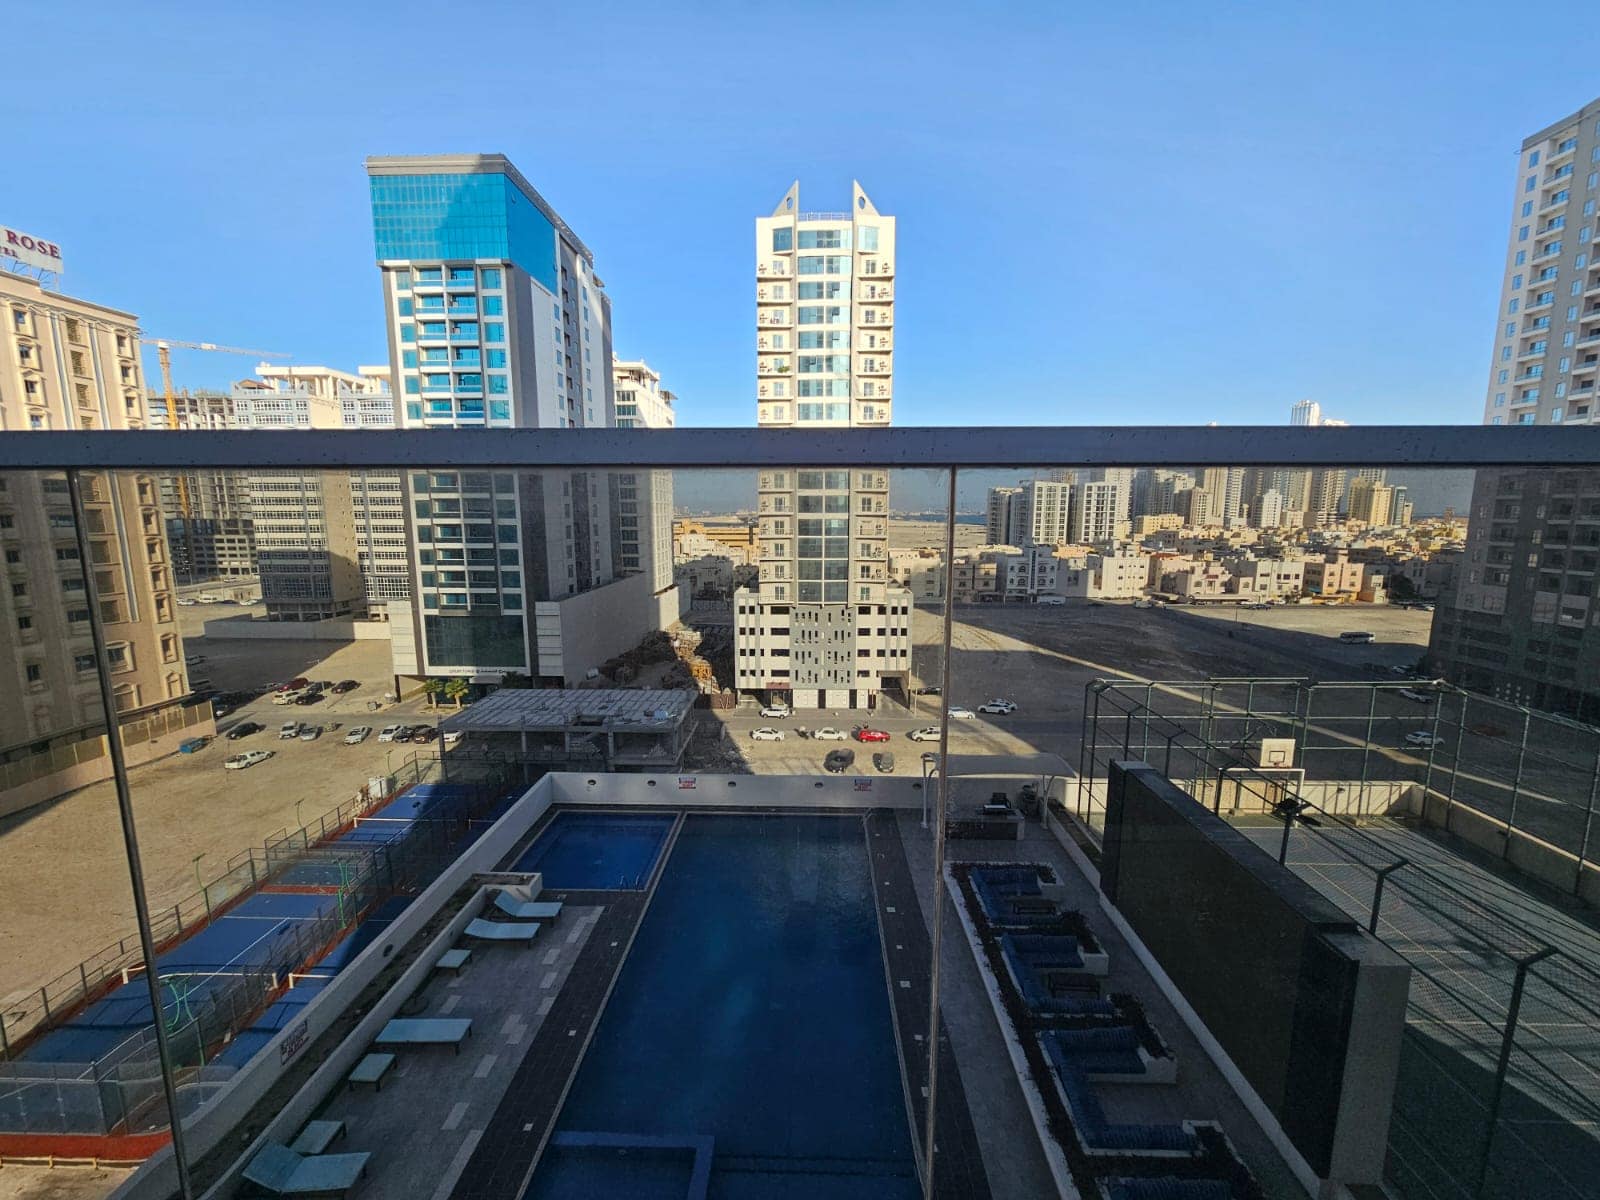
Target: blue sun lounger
x=502 y=931
x=425 y=1031
x=282 y=1172
x=527 y=910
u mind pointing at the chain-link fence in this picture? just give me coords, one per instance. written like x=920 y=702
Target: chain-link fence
x=1498 y=1092
x=120 y=1091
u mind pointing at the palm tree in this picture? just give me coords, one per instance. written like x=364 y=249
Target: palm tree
x=433 y=689
x=457 y=690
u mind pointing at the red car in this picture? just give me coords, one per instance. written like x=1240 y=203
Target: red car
x=294 y=685
x=865 y=733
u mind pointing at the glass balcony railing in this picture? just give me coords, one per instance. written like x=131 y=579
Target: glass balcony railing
x=1112 y=805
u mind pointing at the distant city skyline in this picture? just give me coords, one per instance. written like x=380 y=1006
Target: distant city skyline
x=1319 y=153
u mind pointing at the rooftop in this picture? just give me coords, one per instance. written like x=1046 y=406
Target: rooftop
x=511 y=710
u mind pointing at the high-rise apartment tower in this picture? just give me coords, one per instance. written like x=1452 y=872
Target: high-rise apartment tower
x=824 y=627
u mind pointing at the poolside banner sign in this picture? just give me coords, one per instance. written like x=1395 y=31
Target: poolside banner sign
x=686 y=783
x=294 y=1043
x=863 y=785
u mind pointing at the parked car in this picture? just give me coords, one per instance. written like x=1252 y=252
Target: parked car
x=289 y=729
x=931 y=689
x=962 y=714
x=839 y=761
x=405 y=732
x=358 y=735
x=293 y=685
x=310 y=733
x=1423 y=739
x=308 y=698
x=1003 y=707
x=390 y=732
x=193 y=660
x=286 y=697
x=928 y=733
x=452 y=736
x=345 y=685
x=248 y=759
x=865 y=733
x=1418 y=697
x=185 y=602
x=424 y=734
x=829 y=734
x=883 y=762
x=243 y=730
x=775 y=712
x=767 y=734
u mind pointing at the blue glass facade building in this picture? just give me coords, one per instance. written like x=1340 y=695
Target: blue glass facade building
x=463 y=217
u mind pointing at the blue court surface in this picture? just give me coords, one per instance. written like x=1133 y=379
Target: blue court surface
x=584 y=851
x=258 y=934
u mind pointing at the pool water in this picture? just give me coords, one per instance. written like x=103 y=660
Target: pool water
x=752 y=1009
x=598 y=850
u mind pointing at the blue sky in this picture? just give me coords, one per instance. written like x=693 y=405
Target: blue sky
x=1141 y=213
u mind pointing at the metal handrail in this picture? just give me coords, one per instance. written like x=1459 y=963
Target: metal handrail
x=924 y=448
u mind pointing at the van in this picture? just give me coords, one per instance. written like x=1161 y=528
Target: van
x=208 y=598
x=1357 y=638
x=1051 y=600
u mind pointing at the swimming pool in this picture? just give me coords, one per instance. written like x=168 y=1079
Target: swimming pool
x=752 y=1011
x=598 y=850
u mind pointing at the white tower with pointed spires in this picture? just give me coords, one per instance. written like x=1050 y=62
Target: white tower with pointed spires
x=824 y=628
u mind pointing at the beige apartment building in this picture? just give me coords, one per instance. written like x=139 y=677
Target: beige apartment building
x=68 y=364
x=824 y=627
x=1333 y=576
x=328 y=543
x=641 y=501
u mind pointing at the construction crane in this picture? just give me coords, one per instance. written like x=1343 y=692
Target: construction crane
x=164 y=354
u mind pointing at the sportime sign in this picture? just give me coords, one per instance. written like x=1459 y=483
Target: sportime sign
x=21 y=248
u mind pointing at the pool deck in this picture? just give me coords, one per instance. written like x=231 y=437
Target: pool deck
x=435 y=1107
x=524 y=1113
x=1005 y=1132
x=908 y=954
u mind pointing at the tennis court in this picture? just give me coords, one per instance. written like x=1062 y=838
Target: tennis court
x=1463 y=926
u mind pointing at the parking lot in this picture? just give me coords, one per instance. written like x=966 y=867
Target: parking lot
x=66 y=879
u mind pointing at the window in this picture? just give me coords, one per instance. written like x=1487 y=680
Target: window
x=1531 y=183
x=824 y=239
x=1527 y=208
x=493 y=306
x=1501 y=377
x=494 y=331
x=867 y=237
x=1522 y=257
x=35 y=672
x=1533 y=159
x=1522 y=234
x=782 y=239
x=406 y=308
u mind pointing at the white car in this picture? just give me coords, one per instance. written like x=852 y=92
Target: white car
x=962 y=714
x=452 y=736
x=310 y=733
x=829 y=734
x=1003 y=707
x=289 y=729
x=248 y=759
x=185 y=602
x=767 y=734
x=775 y=712
x=1419 y=697
x=358 y=735
x=388 y=732
x=1425 y=740
x=929 y=733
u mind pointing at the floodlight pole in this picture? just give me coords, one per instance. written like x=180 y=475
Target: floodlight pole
x=1516 y=783
x=1506 y=1044
x=130 y=838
